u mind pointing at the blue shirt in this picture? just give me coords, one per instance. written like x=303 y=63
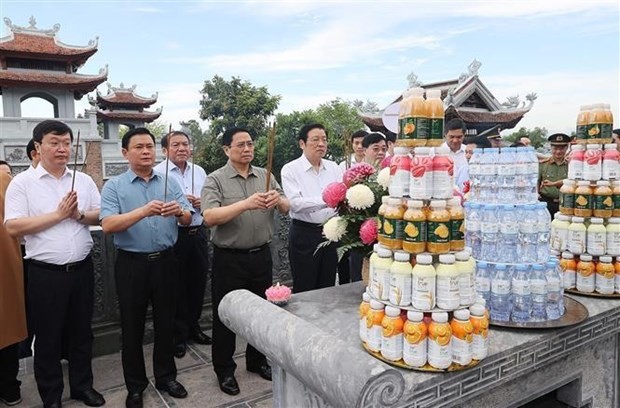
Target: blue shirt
x=127 y=192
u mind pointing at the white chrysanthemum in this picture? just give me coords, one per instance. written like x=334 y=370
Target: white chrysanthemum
x=383 y=178
x=335 y=228
x=360 y=197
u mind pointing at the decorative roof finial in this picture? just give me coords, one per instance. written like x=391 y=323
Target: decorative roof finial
x=33 y=22
x=474 y=67
x=413 y=80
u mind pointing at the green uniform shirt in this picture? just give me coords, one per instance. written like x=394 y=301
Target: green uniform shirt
x=225 y=186
x=550 y=170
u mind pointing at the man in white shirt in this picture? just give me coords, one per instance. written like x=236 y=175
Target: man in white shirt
x=454 y=135
x=303 y=181
x=358 y=150
x=53 y=218
x=191 y=248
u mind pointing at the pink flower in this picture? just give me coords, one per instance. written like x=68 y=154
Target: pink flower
x=358 y=173
x=334 y=194
x=368 y=231
x=386 y=162
x=278 y=293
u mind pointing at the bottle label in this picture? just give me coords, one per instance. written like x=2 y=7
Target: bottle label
x=567 y=200
x=439 y=353
x=603 y=202
x=457 y=230
x=415 y=128
x=483 y=284
x=474 y=225
x=414 y=354
x=380 y=219
x=553 y=285
x=400 y=289
x=480 y=346
x=442 y=184
x=521 y=168
x=613 y=243
x=577 y=241
x=438 y=232
x=381 y=283
x=606 y=130
x=521 y=287
x=527 y=228
x=392 y=346
x=466 y=291
x=506 y=169
x=570 y=278
x=611 y=169
x=604 y=285
x=617 y=283
x=616 y=198
x=500 y=286
x=596 y=242
x=489 y=227
x=448 y=291
x=532 y=167
x=583 y=201
x=415 y=231
x=538 y=286
x=585 y=283
x=375 y=333
x=363 y=329
x=423 y=295
x=582 y=132
x=487 y=169
x=393 y=229
x=401 y=179
x=436 y=129
x=509 y=227
x=461 y=351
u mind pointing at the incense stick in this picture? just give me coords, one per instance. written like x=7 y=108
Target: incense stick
x=192 y=151
x=271 y=144
x=77 y=146
x=85 y=156
x=167 y=163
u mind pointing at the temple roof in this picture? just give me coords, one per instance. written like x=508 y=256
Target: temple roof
x=80 y=84
x=135 y=116
x=122 y=97
x=43 y=44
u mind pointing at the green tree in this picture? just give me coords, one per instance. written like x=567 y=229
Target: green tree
x=158 y=128
x=366 y=107
x=538 y=136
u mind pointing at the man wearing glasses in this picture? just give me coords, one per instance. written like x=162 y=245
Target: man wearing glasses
x=375 y=148
x=240 y=212
x=303 y=181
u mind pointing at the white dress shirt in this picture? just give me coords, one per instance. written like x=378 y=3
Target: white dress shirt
x=461 y=167
x=303 y=187
x=343 y=164
x=36 y=192
x=185 y=181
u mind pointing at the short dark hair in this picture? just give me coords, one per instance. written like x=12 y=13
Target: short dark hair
x=616 y=131
x=30 y=148
x=373 y=138
x=164 y=139
x=3 y=162
x=358 y=134
x=228 y=135
x=517 y=144
x=455 y=124
x=303 y=132
x=55 y=127
x=135 y=131
x=390 y=136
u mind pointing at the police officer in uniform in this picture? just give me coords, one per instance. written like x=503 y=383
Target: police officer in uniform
x=552 y=171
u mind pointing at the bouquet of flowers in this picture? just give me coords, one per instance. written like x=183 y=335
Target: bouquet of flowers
x=356 y=199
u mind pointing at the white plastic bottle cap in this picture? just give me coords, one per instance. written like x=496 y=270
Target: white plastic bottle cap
x=392 y=311
x=440 y=317
x=376 y=305
x=606 y=259
x=401 y=256
x=446 y=258
x=425 y=259
x=462 y=314
x=384 y=253
x=365 y=297
x=477 y=310
x=586 y=257
x=415 y=316
x=462 y=256
x=596 y=220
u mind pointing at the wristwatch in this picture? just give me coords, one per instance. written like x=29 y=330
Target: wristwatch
x=82 y=215
x=182 y=213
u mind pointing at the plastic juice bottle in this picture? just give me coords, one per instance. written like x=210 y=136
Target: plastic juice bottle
x=438 y=228
x=381 y=216
x=423 y=283
x=575 y=164
x=596 y=237
x=462 y=337
x=567 y=197
x=593 y=162
x=569 y=270
x=613 y=236
x=439 y=341
x=596 y=123
x=585 y=274
x=562 y=227
x=582 y=123
x=421 y=180
x=418 y=118
x=605 y=276
x=577 y=236
x=392 y=334
x=583 y=199
x=381 y=275
x=364 y=308
x=436 y=117
x=617 y=269
x=403 y=117
x=608 y=124
x=447 y=283
x=374 y=319
x=414 y=237
x=467 y=278
x=400 y=280
x=371 y=268
x=393 y=224
x=480 y=323
x=400 y=169
x=457 y=227
x=616 y=198
x=603 y=200
x=415 y=339
x=443 y=172
x=611 y=162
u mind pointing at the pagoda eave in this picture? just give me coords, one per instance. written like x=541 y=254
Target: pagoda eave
x=128 y=116
x=80 y=84
x=77 y=58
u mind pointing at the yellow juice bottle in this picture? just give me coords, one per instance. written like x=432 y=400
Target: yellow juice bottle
x=447 y=283
x=608 y=124
x=415 y=339
x=439 y=341
x=438 y=241
x=480 y=323
x=423 y=283
x=457 y=226
x=381 y=219
x=374 y=318
x=467 y=278
x=364 y=308
x=381 y=274
x=400 y=280
x=435 y=117
x=462 y=337
x=605 y=276
x=392 y=334
x=583 y=119
x=414 y=237
x=416 y=126
x=393 y=228
x=596 y=123
x=405 y=131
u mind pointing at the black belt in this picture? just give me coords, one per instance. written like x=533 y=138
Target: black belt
x=549 y=200
x=190 y=230
x=72 y=266
x=148 y=256
x=301 y=223
x=245 y=251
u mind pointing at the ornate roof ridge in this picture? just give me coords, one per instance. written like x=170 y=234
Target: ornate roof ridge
x=45 y=33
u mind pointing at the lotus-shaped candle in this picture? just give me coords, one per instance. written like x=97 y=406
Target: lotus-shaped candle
x=278 y=294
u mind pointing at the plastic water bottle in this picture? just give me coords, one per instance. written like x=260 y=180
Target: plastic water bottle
x=501 y=304
x=508 y=234
x=473 y=218
x=520 y=175
x=532 y=175
x=538 y=286
x=521 y=294
x=474 y=174
x=488 y=173
x=528 y=235
x=489 y=229
x=543 y=222
x=554 y=291
x=483 y=281
x=506 y=174
x=560 y=273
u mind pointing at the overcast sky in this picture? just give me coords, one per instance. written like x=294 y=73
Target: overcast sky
x=311 y=52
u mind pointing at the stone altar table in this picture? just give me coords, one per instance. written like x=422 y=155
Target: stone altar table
x=318 y=360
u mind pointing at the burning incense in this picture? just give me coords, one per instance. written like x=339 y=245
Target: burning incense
x=271 y=144
x=77 y=145
x=167 y=163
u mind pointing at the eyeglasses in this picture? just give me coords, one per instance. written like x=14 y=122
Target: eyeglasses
x=317 y=140
x=249 y=144
x=56 y=145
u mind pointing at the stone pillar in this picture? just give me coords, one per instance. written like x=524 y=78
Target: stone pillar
x=94 y=162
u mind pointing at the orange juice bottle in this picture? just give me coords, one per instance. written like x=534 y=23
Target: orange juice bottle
x=415 y=339
x=414 y=237
x=462 y=337
x=417 y=123
x=616 y=198
x=393 y=227
x=457 y=227
x=380 y=287
x=364 y=308
x=392 y=334
x=439 y=341
x=596 y=123
x=405 y=130
x=617 y=269
x=480 y=340
x=569 y=270
x=381 y=218
x=438 y=241
x=585 y=274
x=435 y=117
x=608 y=124
x=605 y=276
x=374 y=319
x=582 y=123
